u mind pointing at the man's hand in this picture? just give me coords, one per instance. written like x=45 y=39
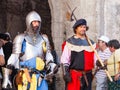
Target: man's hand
x=66 y=76
x=117 y=76
x=98 y=63
x=2 y=60
x=100 y=66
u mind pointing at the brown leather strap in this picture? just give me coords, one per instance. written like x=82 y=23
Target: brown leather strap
x=85 y=77
x=81 y=71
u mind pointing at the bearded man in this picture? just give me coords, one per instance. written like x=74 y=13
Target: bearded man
x=31 y=56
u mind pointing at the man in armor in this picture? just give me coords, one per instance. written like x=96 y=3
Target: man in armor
x=31 y=56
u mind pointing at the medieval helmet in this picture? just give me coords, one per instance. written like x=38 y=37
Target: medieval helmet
x=32 y=16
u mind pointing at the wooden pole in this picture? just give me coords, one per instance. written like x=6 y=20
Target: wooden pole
x=108 y=75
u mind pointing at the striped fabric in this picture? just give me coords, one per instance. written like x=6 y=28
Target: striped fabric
x=104 y=55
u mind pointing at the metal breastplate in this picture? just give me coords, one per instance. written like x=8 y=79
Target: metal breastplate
x=33 y=50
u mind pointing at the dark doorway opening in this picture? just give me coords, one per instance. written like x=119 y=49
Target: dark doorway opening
x=13 y=13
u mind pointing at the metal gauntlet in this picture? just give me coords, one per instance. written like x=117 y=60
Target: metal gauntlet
x=52 y=67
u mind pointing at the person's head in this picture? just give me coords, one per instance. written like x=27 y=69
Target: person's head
x=8 y=34
x=4 y=37
x=103 y=42
x=80 y=26
x=113 y=45
x=33 y=22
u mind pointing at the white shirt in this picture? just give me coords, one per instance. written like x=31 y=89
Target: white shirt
x=1 y=51
x=104 y=55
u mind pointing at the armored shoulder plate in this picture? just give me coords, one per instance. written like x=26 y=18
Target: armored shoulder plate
x=45 y=38
x=17 y=43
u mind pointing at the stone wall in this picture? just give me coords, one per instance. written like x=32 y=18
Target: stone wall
x=62 y=26
x=112 y=18
x=103 y=17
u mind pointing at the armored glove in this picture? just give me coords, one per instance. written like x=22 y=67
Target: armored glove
x=66 y=74
x=52 y=69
